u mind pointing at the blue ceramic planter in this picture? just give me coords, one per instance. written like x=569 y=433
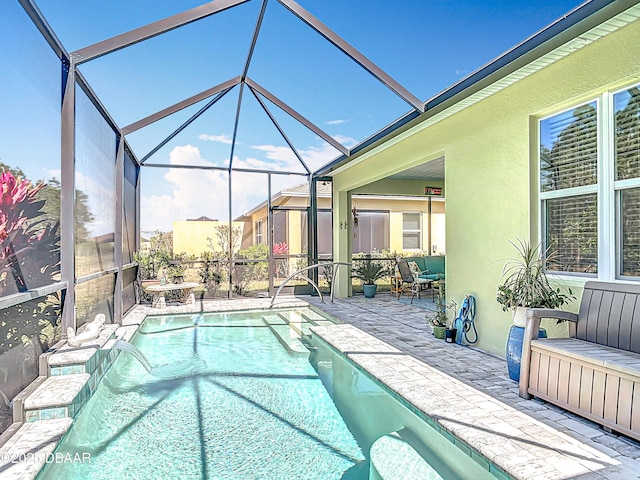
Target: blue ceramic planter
x=514 y=350
x=369 y=290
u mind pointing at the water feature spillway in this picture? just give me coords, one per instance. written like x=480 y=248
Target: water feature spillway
x=134 y=351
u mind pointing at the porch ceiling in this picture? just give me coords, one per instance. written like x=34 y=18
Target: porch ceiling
x=433 y=170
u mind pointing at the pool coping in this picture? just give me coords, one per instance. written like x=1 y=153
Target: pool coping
x=520 y=445
x=461 y=445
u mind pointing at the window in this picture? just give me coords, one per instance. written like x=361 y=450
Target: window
x=411 y=231
x=626 y=125
x=590 y=187
x=371 y=233
x=259 y=232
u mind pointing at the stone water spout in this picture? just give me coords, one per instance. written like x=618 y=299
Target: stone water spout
x=135 y=352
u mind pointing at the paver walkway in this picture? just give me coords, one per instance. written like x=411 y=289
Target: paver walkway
x=546 y=436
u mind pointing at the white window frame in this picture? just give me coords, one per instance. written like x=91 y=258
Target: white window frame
x=607 y=190
x=419 y=231
x=259 y=234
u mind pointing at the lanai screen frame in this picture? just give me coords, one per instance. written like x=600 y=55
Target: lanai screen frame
x=580 y=19
x=72 y=78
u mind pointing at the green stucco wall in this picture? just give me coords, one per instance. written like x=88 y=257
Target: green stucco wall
x=490 y=152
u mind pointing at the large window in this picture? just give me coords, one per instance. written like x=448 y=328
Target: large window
x=590 y=187
x=411 y=231
x=371 y=233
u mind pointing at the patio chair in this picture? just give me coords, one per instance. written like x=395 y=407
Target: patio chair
x=410 y=281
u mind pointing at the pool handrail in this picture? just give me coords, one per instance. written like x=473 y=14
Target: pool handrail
x=305 y=277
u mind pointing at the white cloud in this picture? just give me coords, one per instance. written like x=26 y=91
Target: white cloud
x=460 y=72
x=226 y=139
x=315 y=157
x=336 y=122
x=283 y=156
x=190 y=193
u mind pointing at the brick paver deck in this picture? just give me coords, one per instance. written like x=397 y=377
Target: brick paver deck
x=527 y=438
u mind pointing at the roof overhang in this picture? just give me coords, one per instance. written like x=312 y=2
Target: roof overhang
x=580 y=27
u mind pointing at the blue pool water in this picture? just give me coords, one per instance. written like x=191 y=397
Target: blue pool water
x=232 y=396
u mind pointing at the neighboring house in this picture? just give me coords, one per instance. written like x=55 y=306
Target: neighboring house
x=398 y=223
x=542 y=144
x=192 y=236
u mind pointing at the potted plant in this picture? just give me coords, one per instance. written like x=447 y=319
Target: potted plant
x=525 y=285
x=175 y=272
x=369 y=270
x=439 y=319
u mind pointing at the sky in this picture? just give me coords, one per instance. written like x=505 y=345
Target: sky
x=425 y=45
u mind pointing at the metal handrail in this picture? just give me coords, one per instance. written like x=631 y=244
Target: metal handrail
x=298 y=274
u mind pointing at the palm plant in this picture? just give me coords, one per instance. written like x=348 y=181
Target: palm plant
x=525 y=283
x=369 y=270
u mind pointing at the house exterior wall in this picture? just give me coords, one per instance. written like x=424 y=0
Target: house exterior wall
x=191 y=236
x=395 y=207
x=491 y=171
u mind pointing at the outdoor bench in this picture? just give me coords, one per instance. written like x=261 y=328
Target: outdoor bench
x=596 y=372
x=430 y=266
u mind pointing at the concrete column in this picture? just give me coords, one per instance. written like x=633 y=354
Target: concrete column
x=342 y=231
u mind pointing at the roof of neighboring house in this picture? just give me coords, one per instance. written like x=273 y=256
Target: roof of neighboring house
x=324 y=191
x=202 y=219
x=302 y=190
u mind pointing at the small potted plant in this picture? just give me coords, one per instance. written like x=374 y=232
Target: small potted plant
x=525 y=285
x=175 y=272
x=369 y=270
x=439 y=319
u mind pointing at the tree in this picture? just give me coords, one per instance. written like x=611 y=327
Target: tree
x=222 y=239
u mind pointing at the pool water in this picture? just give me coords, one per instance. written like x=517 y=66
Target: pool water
x=238 y=396
x=224 y=399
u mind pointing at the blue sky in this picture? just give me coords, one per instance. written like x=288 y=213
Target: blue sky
x=425 y=45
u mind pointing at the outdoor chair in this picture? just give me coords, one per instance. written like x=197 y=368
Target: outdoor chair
x=410 y=282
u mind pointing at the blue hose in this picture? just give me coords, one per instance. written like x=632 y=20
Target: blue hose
x=465 y=322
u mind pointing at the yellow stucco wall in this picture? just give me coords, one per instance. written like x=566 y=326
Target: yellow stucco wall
x=490 y=151
x=393 y=204
x=191 y=236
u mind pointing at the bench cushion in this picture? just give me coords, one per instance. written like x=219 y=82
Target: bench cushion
x=432 y=266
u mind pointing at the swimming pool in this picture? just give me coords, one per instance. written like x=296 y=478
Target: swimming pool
x=235 y=396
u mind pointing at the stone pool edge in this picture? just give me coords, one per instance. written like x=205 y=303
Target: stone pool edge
x=518 y=445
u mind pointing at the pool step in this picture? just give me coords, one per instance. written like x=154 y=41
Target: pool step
x=313 y=317
x=86 y=358
x=297 y=322
x=287 y=336
x=391 y=454
x=52 y=398
x=19 y=459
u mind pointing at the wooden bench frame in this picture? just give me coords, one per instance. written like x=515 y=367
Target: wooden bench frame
x=596 y=372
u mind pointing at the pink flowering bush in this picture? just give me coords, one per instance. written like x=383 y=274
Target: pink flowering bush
x=29 y=247
x=280 y=248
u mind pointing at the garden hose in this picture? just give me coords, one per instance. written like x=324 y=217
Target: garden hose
x=466 y=321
